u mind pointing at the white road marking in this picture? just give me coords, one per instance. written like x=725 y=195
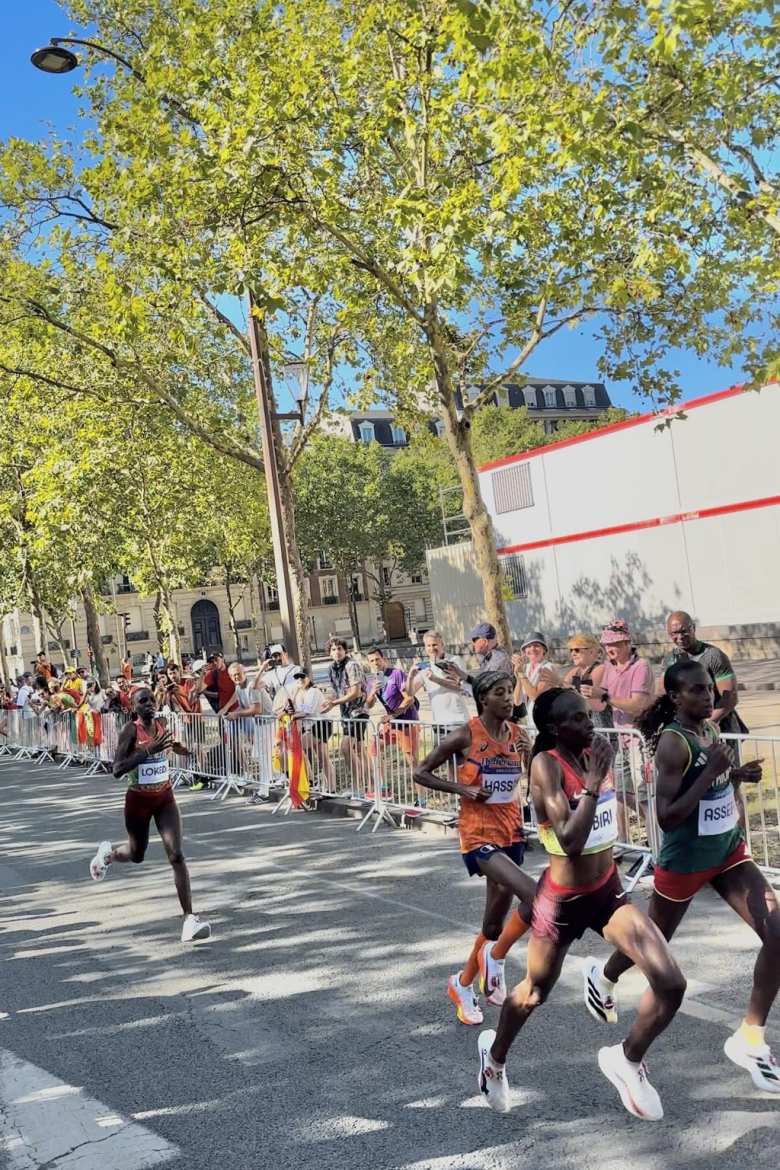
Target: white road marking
x=45 y=1122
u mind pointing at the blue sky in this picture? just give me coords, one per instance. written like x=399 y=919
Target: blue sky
x=31 y=102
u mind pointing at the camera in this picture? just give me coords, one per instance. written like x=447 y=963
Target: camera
x=576 y=681
x=442 y=663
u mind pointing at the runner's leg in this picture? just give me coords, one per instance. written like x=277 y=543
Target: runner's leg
x=168 y=822
x=642 y=942
x=747 y=891
x=134 y=849
x=501 y=869
x=666 y=914
x=545 y=959
x=498 y=899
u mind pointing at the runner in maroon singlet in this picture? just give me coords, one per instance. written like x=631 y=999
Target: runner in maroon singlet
x=142 y=756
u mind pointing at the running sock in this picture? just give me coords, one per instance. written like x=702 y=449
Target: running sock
x=752 y=1034
x=514 y=930
x=471 y=966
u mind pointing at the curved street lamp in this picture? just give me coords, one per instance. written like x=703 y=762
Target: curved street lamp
x=54 y=59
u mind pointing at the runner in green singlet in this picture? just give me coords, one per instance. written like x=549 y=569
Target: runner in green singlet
x=703 y=844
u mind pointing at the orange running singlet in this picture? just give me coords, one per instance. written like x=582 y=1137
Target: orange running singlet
x=497 y=766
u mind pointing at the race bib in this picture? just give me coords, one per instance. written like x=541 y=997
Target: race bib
x=501 y=786
x=603 y=832
x=718 y=812
x=153 y=771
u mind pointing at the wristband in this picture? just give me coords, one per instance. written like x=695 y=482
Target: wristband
x=587 y=792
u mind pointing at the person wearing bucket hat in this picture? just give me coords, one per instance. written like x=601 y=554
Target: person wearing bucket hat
x=492 y=753
x=534 y=673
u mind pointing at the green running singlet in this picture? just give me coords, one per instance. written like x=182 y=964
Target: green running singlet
x=712 y=831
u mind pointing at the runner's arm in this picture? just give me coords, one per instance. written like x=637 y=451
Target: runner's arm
x=551 y=804
x=126 y=757
x=425 y=774
x=671 y=760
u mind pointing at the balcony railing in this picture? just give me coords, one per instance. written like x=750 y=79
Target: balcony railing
x=330 y=600
x=137 y=635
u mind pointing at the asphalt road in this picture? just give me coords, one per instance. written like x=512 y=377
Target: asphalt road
x=313 y=1030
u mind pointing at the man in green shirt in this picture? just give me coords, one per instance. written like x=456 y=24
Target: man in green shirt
x=681 y=629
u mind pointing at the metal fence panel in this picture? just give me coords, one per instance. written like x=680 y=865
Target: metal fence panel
x=372 y=762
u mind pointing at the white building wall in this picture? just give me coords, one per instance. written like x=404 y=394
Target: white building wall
x=652 y=483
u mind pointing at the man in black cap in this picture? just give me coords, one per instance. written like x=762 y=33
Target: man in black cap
x=490 y=655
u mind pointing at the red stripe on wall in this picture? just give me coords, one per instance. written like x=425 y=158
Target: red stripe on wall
x=638 y=525
x=613 y=428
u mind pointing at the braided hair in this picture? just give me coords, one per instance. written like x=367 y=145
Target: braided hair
x=485 y=682
x=653 y=721
x=543 y=705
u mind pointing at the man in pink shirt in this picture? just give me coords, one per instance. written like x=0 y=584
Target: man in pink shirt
x=628 y=686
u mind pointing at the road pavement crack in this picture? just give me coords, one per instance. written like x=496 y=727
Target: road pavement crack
x=52 y=1163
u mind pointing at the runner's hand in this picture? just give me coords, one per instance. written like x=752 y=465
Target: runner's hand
x=719 y=760
x=599 y=760
x=471 y=792
x=160 y=743
x=749 y=773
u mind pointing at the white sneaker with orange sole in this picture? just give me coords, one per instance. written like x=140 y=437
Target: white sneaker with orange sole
x=466 y=1003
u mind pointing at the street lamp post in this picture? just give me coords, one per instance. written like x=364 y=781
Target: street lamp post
x=56 y=58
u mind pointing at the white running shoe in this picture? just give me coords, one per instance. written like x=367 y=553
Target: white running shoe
x=492 y=981
x=759 y=1062
x=466 y=1002
x=630 y=1080
x=598 y=993
x=98 y=866
x=194 y=928
x=492 y=1081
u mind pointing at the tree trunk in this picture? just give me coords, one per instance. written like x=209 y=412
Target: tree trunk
x=257 y=609
x=300 y=616
x=458 y=435
x=167 y=625
x=36 y=607
x=231 y=604
x=297 y=571
x=4 y=672
x=94 y=638
x=353 y=614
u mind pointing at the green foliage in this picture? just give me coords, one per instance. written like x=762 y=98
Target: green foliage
x=450 y=184
x=362 y=507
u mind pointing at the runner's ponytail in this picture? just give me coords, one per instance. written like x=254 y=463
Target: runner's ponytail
x=662 y=712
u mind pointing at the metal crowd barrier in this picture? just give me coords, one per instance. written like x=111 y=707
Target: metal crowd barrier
x=760 y=802
x=371 y=762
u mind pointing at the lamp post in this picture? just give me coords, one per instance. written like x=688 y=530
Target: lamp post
x=55 y=58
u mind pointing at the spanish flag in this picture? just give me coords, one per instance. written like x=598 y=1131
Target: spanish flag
x=89 y=727
x=299 y=775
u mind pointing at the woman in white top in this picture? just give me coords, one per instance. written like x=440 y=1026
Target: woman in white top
x=316 y=727
x=446 y=691
x=534 y=673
